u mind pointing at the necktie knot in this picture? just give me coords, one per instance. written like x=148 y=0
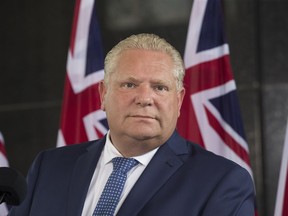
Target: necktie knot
x=123 y=164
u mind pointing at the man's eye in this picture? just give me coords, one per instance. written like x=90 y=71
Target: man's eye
x=161 y=88
x=129 y=85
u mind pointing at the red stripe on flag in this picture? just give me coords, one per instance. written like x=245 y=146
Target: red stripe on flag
x=227 y=139
x=208 y=75
x=74 y=108
x=187 y=125
x=2 y=149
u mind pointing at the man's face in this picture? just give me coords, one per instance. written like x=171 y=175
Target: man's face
x=141 y=100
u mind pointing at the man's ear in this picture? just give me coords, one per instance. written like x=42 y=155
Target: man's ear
x=181 y=95
x=102 y=92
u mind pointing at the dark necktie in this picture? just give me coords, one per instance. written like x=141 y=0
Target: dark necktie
x=114 y=186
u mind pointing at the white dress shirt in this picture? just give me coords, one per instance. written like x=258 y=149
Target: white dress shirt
x=102 y=172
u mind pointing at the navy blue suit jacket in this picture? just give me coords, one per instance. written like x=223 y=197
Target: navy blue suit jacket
x=182 y=179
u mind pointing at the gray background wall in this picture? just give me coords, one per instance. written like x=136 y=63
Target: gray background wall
x=34 y=39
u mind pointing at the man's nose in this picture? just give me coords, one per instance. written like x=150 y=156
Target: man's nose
x=144 y=96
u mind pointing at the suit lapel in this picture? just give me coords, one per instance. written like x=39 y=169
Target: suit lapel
x=162 y=166
x=81 y=177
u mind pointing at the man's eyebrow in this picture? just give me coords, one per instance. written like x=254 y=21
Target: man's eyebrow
x=162 y=82
x=130 y=79
x=153 y=81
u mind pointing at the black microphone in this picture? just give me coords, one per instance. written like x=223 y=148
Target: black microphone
x=13 y=186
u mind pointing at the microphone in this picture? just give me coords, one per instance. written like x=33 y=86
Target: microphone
x=13 y=186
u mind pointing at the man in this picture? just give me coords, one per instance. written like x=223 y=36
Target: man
x=142 y=93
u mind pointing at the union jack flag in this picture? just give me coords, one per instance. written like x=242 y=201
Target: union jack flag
x=3 y=163
x=281 y=207
x=210 y=114
x=81 y=117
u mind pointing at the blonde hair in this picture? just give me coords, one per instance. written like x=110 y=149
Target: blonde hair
x=145 y=42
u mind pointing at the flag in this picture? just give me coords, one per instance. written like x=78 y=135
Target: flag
x=281 y=207
x=3 y=163
x=210 y=114
x=81 y=117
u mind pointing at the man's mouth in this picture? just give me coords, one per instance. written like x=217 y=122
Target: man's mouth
x=143 y=116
